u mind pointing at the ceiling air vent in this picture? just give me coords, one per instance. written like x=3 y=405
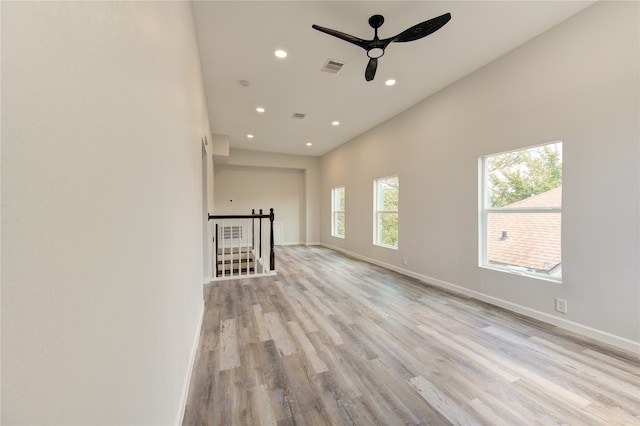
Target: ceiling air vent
x=332 y=66
x=298 y=115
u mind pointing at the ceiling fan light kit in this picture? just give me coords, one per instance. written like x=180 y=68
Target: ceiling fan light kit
x=375 y=48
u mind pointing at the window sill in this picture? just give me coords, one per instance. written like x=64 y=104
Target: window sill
x=557 y=280
x=386 y=246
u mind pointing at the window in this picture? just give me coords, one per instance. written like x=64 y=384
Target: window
x=337 y=211
x=385 y=221
x=521 y=211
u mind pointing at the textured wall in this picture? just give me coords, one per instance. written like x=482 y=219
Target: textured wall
x=263 y=188
x=310 y=166
x=102 y=119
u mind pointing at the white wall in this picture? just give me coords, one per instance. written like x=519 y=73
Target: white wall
x=102 y=118
x=578 y=82
x=310 y=167
x=263 y=188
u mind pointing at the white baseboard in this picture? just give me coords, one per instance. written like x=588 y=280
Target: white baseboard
x=584 y=330
x=192 y=359
x=245 y=276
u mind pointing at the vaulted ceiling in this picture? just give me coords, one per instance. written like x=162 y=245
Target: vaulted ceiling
x=237 y=41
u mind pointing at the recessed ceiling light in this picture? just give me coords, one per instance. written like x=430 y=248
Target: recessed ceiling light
x=250 y=136
x=390 y=82
x=260 y=109
x=335 y=123
x=308 y=144
x=280 y=53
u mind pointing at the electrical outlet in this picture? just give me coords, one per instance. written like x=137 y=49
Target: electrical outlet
x=404 y=261
x=561 y=305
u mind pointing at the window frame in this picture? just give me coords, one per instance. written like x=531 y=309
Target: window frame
x=377 y=213
x=484 y=211
x=335 y=212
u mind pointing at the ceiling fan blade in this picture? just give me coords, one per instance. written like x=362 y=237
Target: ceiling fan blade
x=422 y=29
x=346 y=37
x=370 y=72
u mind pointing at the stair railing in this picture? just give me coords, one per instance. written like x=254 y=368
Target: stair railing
x=238 y=251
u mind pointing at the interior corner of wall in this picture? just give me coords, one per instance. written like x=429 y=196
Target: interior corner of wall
x=220 y=148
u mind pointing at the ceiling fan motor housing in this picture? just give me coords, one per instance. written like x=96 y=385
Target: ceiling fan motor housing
x=376 y=21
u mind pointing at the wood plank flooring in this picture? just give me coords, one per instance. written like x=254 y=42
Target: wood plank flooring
x=331 y=340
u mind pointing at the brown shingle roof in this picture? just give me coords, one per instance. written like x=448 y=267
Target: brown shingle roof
x=532 y=239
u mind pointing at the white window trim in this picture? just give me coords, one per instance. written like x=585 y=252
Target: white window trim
x=334 y=211
x=483 y=261
x=376 y=212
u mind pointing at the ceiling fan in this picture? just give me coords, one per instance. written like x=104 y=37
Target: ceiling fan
x=375 y=48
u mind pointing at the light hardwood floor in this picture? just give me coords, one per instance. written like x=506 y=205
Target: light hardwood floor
x=334 y=341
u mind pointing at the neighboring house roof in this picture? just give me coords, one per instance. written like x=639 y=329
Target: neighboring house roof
x=529 y=240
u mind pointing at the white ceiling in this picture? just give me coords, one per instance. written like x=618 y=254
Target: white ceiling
x=237 y=40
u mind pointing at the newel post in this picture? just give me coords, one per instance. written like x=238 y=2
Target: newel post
x=272 y=255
